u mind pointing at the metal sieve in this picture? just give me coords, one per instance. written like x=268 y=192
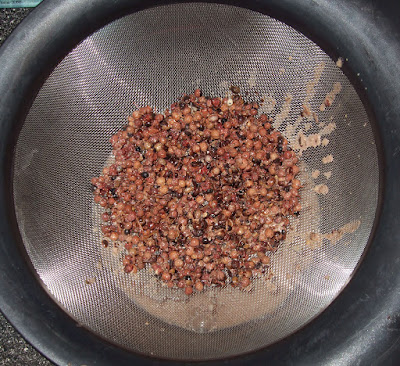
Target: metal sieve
x=152 y=57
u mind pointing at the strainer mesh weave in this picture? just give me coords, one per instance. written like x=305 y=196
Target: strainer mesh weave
x=151 y=58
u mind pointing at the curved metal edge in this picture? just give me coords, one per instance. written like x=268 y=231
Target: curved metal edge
x=362 y=325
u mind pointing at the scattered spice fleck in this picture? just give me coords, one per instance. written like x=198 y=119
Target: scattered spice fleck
x=327 y=159
x=328 y=129
x=315 y=240
x=315 y=173
x=339 y=62
x=321 y=189
x=325 y=142
x=330 y=97
x=315 y=117
x=306 y=112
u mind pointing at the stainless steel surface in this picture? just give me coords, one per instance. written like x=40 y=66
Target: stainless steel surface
x=151 y=58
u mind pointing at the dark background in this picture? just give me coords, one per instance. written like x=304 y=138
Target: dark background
x=14 y=350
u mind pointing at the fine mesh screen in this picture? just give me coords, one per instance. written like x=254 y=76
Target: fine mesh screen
x=151 y=58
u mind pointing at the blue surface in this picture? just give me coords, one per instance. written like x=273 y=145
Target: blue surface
x=19 y=3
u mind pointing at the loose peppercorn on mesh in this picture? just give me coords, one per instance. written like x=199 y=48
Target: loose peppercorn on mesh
x=152 y=58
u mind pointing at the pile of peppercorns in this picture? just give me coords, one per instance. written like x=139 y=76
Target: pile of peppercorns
x=201 y=193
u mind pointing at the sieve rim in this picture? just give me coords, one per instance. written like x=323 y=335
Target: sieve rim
x=11 y=302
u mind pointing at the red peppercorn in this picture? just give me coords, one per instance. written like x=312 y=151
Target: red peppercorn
x=188 y=192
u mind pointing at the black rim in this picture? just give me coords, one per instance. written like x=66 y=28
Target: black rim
x=363 y=323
